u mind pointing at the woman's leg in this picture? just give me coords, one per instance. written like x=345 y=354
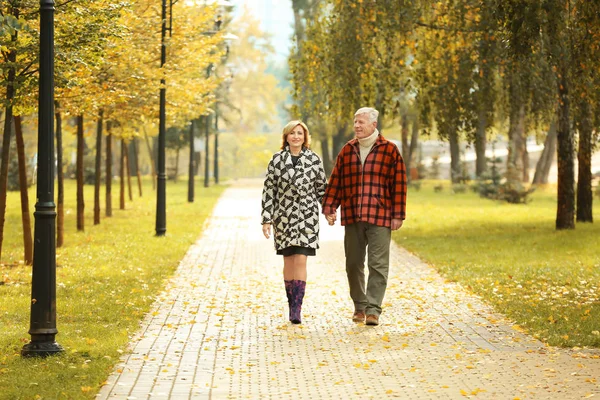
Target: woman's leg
x=288 y=268
x=299 y=267
x=288 y=280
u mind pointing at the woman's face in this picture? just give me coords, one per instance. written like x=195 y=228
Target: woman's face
x=296 y=137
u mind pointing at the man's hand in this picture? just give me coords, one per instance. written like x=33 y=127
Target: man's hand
x=396 y=224
x=267 y=230
x=330 y=219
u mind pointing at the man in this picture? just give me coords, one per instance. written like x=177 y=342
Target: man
x=369 y=182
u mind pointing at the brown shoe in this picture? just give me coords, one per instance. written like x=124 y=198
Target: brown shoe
x=359 y=316
x=372 y=320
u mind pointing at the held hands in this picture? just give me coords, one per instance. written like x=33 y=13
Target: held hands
x=266 y=228
x=330 y=219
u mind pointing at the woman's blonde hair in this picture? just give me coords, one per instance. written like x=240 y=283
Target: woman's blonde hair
x=289 y=127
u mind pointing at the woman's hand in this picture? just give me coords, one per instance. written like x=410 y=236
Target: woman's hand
x=330 y=219
x=267 y=230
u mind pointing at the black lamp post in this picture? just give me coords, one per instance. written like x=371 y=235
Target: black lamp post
x=43 y=285
x=191 y=165
x=161 y=176
x=207 y=143
x=216 y=156
x=218 y=22
x=228 y=38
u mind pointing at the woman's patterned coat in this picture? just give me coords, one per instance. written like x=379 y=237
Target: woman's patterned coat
x=291 y=198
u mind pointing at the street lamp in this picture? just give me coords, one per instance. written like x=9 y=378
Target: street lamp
x=229 y=37
x=191 y=165
x=43 y=284
x=206 y=141
x=161 y=176
x=218 y=23
x=223 y=5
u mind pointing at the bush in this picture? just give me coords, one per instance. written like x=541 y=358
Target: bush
x=89 y=169
x=416 y=185
x=459 y=188
x=514 y=193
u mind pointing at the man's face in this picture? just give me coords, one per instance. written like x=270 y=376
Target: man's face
x=362 y=127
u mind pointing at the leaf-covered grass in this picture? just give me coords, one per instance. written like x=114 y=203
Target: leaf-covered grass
x=107 y=278
x=547 y=281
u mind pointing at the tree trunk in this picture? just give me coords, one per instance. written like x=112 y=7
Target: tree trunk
x=297 y=6
x=25 y=216
x=584 y=157
x=80 y=201
x=216 y=148
x=177 y=152
x=414 y=143
x=542 y=169
x=198 y=162
x=481 y=144
x=411 y=150
x=152 y=162
x=404 y=132
x=4 y=170
x=565 y=212
x=454 y=157
x=327 y=164
x=380 y=106
x=128 y=170
x=340 y=139
x=514 y=161
x=98 y=172
x=122 y=176
x=8 y=117
x=60 y=176
x=11 y=76
x=108 y=182
x=206 y=152
x=136 y=155
x=525 y=155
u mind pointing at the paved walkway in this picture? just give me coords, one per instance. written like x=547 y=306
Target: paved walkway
x=220 y=331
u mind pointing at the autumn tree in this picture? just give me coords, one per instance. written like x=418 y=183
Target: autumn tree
x=18 y=42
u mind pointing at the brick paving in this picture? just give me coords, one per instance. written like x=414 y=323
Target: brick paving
x=220 y=331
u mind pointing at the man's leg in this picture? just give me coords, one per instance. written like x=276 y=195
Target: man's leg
x=355 y=248
x=378 y=238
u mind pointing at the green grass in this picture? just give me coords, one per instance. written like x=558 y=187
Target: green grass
x=546 y=280
x=107 y=278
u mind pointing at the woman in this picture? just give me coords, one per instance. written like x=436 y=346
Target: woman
x=293 y=190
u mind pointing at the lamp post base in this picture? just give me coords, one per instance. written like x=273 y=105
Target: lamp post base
x=41 y=349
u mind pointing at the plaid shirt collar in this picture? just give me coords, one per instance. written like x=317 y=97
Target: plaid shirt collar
x=380 y=139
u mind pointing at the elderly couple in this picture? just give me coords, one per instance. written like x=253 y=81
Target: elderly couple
x=368 y=182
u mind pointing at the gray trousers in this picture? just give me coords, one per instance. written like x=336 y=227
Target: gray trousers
x=359 y=238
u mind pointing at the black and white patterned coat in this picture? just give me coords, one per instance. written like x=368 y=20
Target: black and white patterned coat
x=291 y=198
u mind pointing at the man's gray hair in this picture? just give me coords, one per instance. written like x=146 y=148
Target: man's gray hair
x=370 y=111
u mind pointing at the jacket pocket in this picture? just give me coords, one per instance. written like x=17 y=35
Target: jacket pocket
x=381 y=202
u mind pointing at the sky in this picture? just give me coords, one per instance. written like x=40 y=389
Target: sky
x=276 y=17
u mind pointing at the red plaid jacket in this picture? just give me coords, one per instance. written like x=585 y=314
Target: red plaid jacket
x=375 y=193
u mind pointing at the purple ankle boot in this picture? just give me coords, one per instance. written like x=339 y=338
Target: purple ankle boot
x=288 y=291
x=298 y=289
